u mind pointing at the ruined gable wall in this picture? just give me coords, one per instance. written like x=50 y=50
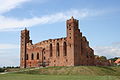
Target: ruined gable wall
x=53 y=60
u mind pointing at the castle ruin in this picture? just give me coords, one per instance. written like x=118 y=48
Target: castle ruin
x=72 y=50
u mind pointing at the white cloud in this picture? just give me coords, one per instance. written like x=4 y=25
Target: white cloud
x=8 y=46
x=7 y=5
x=109 y=51
x=7 y=23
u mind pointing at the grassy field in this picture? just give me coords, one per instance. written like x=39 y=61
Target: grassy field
x=79 y=70
x=64 y=73
x=54 y=77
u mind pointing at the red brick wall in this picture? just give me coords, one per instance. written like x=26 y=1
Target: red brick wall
x=78 y=51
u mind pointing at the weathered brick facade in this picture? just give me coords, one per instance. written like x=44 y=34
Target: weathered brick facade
x=73 y=50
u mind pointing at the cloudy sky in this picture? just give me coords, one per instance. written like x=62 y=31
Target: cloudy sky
x=99 y=22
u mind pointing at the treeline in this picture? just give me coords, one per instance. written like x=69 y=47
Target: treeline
x=4 y=69
x=104 y=58
x=11 y=67
x=114 y=59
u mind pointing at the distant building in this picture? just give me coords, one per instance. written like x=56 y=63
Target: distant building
x=117 y=62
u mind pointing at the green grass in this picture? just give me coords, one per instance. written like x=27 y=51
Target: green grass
x=55 y=77
x=64 y=73
x=79 y=70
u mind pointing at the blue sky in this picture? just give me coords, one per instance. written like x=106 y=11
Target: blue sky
x=98 y=21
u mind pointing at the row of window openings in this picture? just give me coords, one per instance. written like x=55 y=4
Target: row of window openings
x=57 y=51
x=32 y=57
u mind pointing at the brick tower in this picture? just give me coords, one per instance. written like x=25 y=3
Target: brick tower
x=73 y=41
x=24 y=40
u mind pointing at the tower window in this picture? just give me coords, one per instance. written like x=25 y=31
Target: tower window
x=44 y=58
x=26 y=56
x=57 y=50
x=32 y=56
x=69 y=25
x=70 y=45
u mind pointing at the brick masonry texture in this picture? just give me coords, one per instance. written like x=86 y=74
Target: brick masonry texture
x=72 y=50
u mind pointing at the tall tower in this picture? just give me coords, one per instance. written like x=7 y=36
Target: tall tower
x=73 y=41
x=24 y=40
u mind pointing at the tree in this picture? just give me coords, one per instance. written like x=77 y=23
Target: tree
x=103 y=58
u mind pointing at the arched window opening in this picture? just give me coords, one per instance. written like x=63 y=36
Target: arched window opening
x=32 y=57
x=26 y=56
x=57 y=50
x=69 y=28
x=50 y=50
x=44 y=58
x=37 y=55
x=43 y=51
x=64 y=49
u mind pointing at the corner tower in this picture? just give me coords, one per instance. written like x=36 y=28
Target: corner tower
x=23 y=48
x=73 y=41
